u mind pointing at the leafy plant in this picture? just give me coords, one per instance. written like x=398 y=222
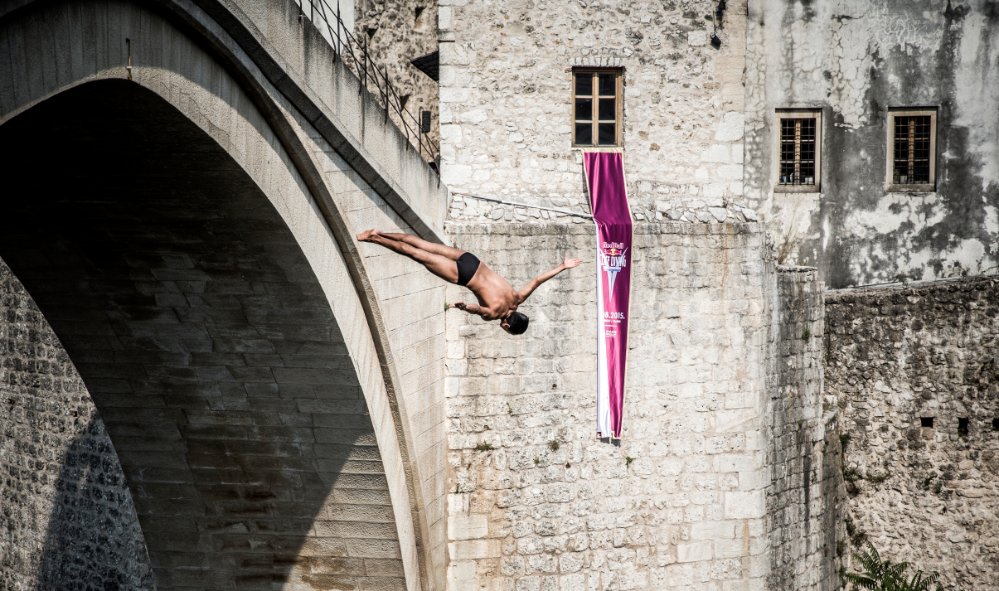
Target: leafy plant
x=881 y=574
x=484 y=446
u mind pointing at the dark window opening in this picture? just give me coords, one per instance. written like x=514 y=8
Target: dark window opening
x=428 y=64
x=926 y=422
x=797 y=151
x=596 y=107
x=911 y=150
x=962 y=427
x=995 y=424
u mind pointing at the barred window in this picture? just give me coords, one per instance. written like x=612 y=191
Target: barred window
x=596 y=107
x=798 y=150
x=911 y=149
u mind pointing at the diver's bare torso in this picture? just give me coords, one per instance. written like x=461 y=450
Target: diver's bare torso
x=497 y=298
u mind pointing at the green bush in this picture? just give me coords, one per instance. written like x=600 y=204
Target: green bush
x=883 y=575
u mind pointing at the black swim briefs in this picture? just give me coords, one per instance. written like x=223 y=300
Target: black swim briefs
x=468 y=264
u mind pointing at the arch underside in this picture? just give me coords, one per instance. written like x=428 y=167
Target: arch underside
x=206 y=342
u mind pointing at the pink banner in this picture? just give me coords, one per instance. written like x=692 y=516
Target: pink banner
x=612 y=216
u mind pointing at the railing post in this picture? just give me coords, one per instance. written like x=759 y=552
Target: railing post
x=364 y=55
x=385 y=95
x=419 y=142
x=329 y=28
x=402 y=118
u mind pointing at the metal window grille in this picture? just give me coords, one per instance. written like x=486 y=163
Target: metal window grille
x=797 y=151
x=911 y=160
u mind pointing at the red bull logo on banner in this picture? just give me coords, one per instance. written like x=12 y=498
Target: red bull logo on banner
x=612 y=259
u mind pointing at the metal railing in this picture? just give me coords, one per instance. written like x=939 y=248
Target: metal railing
x=373 y=77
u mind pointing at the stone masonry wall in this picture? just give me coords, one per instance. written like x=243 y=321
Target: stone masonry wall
x=853 y=60
x=915 y=371
x=396 y=32
x=67 y=514
x=535 y=501
x=802 y=444
x=505 y=99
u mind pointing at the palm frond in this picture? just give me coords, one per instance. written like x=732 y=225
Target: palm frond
x=880 y=574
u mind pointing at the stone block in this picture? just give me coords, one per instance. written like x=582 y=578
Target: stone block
x=697 y=38
x=474 y=549
x=717 y=153
x=713 y=530
x=462 y=574
x=731 y=127
x=694 y=551
x=730 y=548
x=468 y=527
x=744 y=505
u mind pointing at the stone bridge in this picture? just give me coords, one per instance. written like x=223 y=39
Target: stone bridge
x=183 y=181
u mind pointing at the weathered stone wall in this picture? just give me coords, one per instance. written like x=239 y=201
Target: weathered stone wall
x=802 y=444
x=854 y=59
x=898 y=357
x=396 y=33
x=505 y=99
x=536 y=502
x=694 y=116
x=67 y=514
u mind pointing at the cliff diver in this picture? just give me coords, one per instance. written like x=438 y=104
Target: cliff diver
x=498 y=300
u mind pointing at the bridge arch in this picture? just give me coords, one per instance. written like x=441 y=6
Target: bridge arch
x=281 y=221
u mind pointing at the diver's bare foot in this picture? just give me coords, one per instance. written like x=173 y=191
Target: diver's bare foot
x=366 y=235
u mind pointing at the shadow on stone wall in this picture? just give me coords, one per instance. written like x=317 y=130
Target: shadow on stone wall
x=93 y=539
x=803 y=447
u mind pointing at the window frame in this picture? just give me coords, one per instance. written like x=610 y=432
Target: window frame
x=798 y=113
x=595 y=97
x=890 y=184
